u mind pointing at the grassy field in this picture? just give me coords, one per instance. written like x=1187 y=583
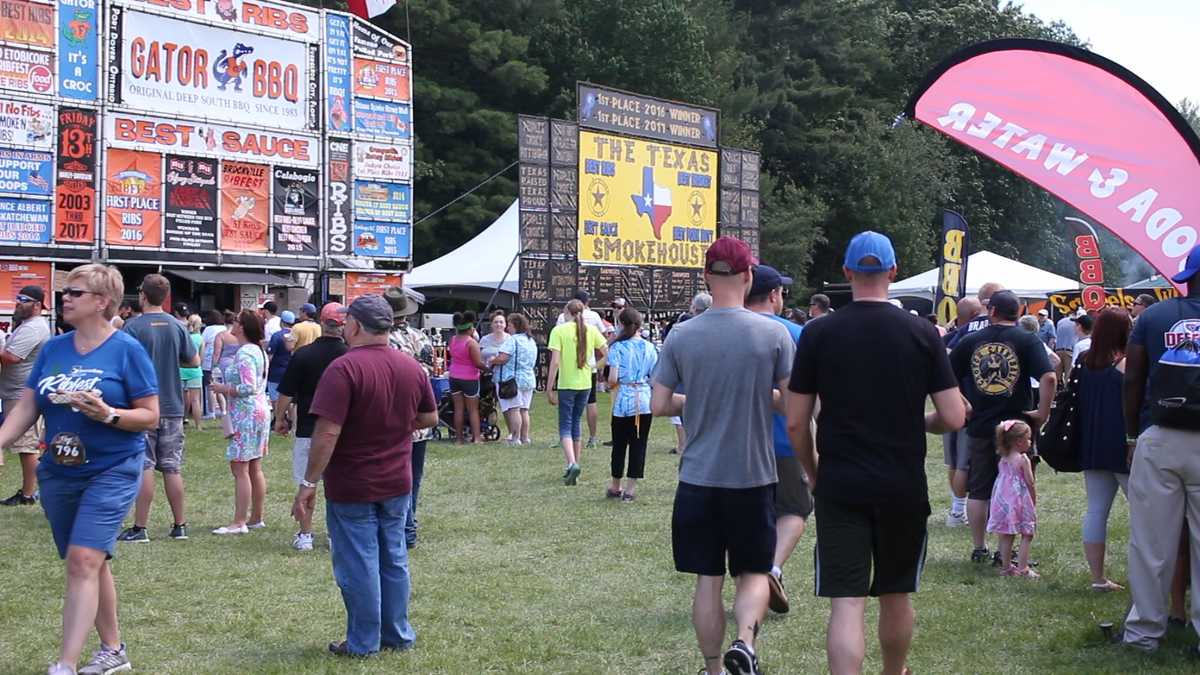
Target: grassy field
x=516 y=573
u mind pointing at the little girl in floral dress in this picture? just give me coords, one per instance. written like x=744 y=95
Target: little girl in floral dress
x=1014 y=498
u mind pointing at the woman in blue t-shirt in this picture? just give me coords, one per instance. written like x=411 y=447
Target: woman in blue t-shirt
x=631 y=360
x=96 y=390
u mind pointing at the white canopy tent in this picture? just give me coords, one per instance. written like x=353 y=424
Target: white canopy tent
x=476 y=268
x=1026 y=281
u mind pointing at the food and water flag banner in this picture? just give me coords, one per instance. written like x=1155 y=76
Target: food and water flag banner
x=1084 y=128
x=952 y=267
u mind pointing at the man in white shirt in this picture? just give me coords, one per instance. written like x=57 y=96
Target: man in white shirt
x=591 y=318
x=17 y=357
x=1083 y=330
x=270 y=317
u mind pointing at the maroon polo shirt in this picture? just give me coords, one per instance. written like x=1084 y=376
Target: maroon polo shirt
x=374 y=393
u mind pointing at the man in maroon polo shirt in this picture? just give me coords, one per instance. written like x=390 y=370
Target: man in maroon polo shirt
x=367 y=405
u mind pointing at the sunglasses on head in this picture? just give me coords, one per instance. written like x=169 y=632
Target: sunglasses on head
x=22 y=299
x=77 y=292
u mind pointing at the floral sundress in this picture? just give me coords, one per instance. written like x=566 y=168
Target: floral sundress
x=249 y=409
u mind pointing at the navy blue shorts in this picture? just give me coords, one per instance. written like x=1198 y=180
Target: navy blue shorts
x=87 y=510
x=710 y=525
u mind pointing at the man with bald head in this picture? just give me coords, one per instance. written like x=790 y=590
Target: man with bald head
x=954 y=444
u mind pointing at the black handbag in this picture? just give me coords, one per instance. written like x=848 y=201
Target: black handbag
x=508 y=388
x=1058 y=442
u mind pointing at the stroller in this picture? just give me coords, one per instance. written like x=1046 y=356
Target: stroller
x=489 y=426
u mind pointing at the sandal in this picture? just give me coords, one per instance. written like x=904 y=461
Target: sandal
x=1028 y=573
x=610 y=493
x=628 y=497
x=1107 y=587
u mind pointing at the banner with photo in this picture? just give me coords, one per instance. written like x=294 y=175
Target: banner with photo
x=26 y=124
x=373 y=43
x=952 y=267
x=295 y=217
x=382 y=240
x=75 y=183
x=26 y=172
x=285 y=20
x=381 y=118
x=337 y=73
x=388 y=202
x=382 y=80
x=78 y=50
x=358 y=284
x=133 y=198
x=27 y=70
x=245 y=206
x=16 y=275
x=190 y=220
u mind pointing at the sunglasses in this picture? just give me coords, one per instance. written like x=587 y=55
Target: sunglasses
x=22 y=299
x=77 y=292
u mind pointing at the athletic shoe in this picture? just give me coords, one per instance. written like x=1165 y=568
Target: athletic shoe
x=107 y=661
x=740 y=659
x=342 y=649
x=673 y=451
x=778 y=601
x=303 y=541
x=256 y=526
x=573 y=472
x=134 y=535
x=57 y=668
x=592 y=442
x=981 y=555
x=231 y=530
x=179 y=532
x=956 y=519
x=19 y=499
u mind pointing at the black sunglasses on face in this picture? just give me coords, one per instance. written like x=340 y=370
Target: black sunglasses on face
x=77 y=292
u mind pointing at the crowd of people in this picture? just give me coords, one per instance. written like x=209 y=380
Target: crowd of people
x=783 y=429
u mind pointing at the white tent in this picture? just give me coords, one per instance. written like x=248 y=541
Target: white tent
x=1026 y=281
x=478 y=266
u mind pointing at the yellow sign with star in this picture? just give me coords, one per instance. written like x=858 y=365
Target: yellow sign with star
x=645 y=202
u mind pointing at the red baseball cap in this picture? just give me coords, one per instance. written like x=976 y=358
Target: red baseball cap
x=728 y=256
x=335 y=312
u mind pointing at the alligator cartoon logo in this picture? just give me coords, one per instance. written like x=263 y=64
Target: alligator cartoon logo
x=229 y=67
x=226 y=10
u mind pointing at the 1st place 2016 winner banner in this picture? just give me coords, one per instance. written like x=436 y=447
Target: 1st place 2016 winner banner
x=644 y=202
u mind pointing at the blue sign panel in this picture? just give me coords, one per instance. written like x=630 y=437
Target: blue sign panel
x=78 y=55
x=383 y=118
x=391 y=202
x=337 y=73
x=382 y=240
x=26 y=220
x=26 y=172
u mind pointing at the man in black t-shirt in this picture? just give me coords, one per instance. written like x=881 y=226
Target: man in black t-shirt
x=872 y=365
x=299 y=384
x=994 y=367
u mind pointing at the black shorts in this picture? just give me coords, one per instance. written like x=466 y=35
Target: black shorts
x=853 y=538
x=983 y=469
x=709 y=525
x=792 y=497
x=592 y=393
x=468 y=388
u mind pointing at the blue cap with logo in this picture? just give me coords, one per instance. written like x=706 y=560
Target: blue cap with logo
x=1190 y=268
x=870 y=245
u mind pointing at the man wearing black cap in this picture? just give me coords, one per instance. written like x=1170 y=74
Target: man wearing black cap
x=368 y=404
x=994 y=367
x=31 y=331
x=725 y=501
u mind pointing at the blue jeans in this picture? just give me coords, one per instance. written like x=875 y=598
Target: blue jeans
x=571 y=405
x=370 y=564
x=418 y=470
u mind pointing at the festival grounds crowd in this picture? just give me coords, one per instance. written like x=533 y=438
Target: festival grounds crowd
x=776 y=430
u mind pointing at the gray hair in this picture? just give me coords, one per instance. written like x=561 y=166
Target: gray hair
x=701 y=302
x=1029 y=322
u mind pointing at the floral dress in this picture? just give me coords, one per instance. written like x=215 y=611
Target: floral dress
x=1012 y=510
x=249 y=410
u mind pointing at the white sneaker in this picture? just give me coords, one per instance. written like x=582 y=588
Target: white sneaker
x=256 y=526
x=57 y=668
x=957 y=519
x=231 y=530
x=303 y=541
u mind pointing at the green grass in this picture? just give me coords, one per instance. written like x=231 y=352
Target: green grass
x=516 y=573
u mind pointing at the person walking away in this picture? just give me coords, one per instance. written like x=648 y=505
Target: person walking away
x=269 y=315
x=465 y=363
x=96 y=389
x=169 y=346
x=1045 y=331
x=279 y=351
x=1101 y=434
x=214 y=326
x=793 y=501
x=725 y=501
x=955 y=452
x=193 y=376
x=517 y=359
x=1064 y=344
x=631 y=361
x=700 y=302
x=368 y=404
x=1165 y=466
x=299 y=385
x=593 y=319
x=869 y=483
x=994 y=366
x=1013 y=508
x=307 y=330
x=17 y=357
x=574 y=347
x=245 y=387
x=489 y=347
x=416 y=344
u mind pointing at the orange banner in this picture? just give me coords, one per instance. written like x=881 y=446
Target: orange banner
x=366 y=283
x=133 y=199
x=16 y=275
x=27 y=23
x=245 y=206
x=377 y=79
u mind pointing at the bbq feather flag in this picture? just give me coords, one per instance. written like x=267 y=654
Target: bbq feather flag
x=369 y=9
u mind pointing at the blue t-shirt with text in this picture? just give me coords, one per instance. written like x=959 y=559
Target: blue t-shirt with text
x=1161 y=327
x=120 y=368
x=783 y=444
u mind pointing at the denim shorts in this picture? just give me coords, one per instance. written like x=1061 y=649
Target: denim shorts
x=87 y=510
x=571 y=406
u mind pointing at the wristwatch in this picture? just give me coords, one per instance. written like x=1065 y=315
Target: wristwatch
x=307 y=484
x=112 y=418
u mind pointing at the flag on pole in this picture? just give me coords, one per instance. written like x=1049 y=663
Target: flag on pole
x=369 y=9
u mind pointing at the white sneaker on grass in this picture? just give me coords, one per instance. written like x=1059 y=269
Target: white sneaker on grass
x=303 y=541
x=957 y=519
x=256 y=526
x=107 y=661
x=231 y=530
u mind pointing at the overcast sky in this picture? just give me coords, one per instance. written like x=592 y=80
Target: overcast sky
x=1154 y=38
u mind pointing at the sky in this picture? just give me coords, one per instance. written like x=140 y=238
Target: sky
x=1153 y=38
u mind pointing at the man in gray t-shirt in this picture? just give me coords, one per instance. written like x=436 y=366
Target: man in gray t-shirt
x=17 y=357
x=733 y=364
x=167 y=341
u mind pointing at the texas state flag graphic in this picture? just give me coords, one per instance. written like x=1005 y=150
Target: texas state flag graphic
x=654 y=201
x=369 y=9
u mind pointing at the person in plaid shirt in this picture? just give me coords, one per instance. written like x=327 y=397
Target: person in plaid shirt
x=417 y=345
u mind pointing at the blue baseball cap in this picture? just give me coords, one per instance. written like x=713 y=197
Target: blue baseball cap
x=309 y=309
x=870 y=245
x=1190 y=268
x=767 y=279
x=287 y=316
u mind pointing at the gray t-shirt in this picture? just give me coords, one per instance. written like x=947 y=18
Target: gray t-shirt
x=730 y=361
x=166 y=340
x=25 y=343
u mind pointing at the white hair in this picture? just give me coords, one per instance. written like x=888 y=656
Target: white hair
x=701 y=302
